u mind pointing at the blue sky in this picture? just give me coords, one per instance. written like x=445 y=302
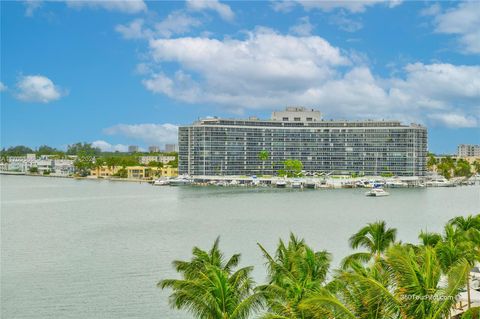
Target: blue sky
x=117 y=73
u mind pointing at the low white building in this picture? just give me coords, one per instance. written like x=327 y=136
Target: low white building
x=63 y=167
x=46 y=163
x=467 y=150
x=165 y=159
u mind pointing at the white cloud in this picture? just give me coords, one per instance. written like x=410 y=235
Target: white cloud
x=222 y=9
x=107 y=147
x=303 y=28
x=125 y=6
x=454 y=120
x=148 y=133
x=3 y=87
x=464 y=21
x=37 y=88
x=176 y=22
x=31 y=6
x=344 y=23
x=134 y=30
x=355 y=6
x=432 y=10
x=268 y=70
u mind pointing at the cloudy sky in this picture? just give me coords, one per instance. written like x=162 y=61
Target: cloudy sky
x=129 y=72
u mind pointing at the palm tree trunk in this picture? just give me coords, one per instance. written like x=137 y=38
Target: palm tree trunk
x=468 y=289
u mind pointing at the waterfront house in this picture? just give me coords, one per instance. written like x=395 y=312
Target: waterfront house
x=105 y=171
x=139 y=172
x=166 y=171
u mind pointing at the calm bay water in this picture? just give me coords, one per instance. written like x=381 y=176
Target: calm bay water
x=95 y=249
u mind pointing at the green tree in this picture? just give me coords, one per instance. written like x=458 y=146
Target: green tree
x=19 y=150
x=446 y=167
x=476 y=166
x=291 y=168
x=47 y=150
x=295 y=272
x=263 y=156
x=461 y=240
x=463 y=168
x=85 y=162
x=429 y=238
x=83 y=148
x=122 y=173
x=375 y=237
x=211 y=288
x=431 y=162
x=33 y=170
x=155 y=164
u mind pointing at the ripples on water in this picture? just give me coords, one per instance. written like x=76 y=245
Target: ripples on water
x=95 y=249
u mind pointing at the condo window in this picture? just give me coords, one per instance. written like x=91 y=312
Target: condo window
x=309 y=119
x=296 y=119
x=285 y=119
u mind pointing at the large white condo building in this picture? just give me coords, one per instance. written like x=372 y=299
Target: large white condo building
x=217 y=146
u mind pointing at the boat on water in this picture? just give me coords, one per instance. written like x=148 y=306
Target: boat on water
x=377 y=192
x=310 y=184
x=281 y=184
x=439 y=182
x=297 y=184
x=180 y=181
x=161 y=182
x=396 y=184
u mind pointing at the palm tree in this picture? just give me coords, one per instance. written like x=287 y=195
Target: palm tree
x=429 y=238
x=375 y=237
x=295 y=272
x=406 y=286
x=348 y=296
x=461 y=240
x=263 y=156
x=211 y=289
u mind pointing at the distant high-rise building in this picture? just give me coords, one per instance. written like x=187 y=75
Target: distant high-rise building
x=369 y=147
x=466 y=150
x=154 y=149
x=132 y=148
x=170 y=148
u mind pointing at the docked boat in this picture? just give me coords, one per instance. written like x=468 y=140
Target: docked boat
x=439 y=182
x=281 y=184
x=396 y=184
x=297 y=184
x=161 y=182
x=310 y=184
x=180 y=181
x=377 y=192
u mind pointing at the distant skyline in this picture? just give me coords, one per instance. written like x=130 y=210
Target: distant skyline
x=119 y=73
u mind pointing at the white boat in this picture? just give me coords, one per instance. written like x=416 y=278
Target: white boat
x=310 y=184
x=161 y=182
x=180 y=181
x=297 y=184
x=234 y=182
x=377 y=192
x=281 y=184
x=439 y=182
x=396 y=184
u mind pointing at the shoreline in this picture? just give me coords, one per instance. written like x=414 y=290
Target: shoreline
x=329 y=182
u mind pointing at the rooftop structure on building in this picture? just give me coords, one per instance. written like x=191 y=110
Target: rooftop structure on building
x=216 y=146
